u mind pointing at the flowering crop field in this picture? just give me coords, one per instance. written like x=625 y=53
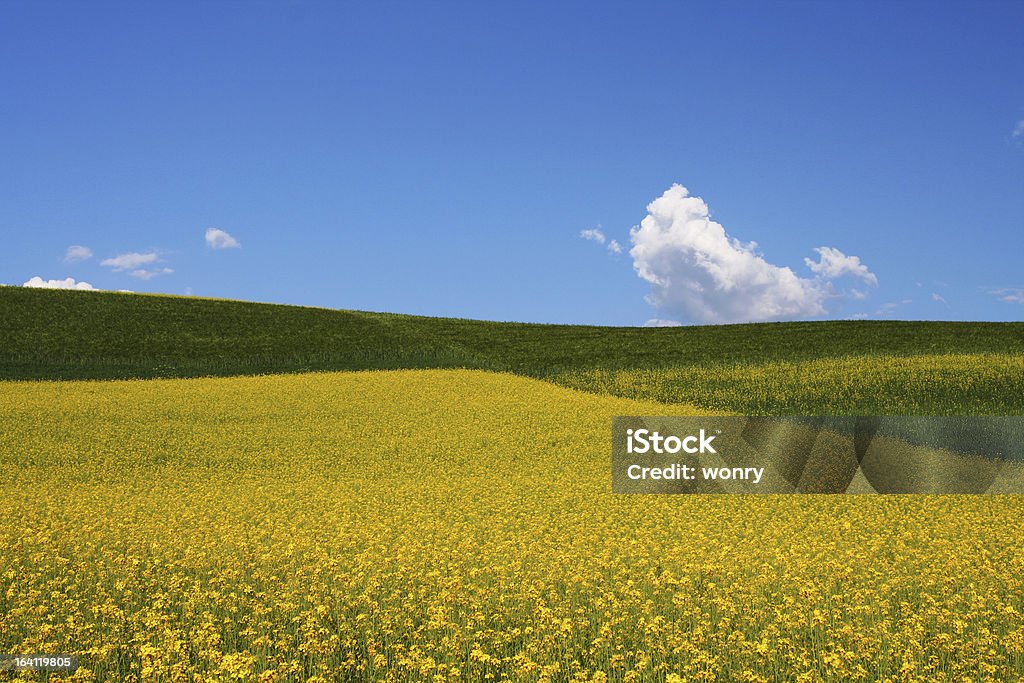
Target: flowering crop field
x=455 y=525
x=934 y=384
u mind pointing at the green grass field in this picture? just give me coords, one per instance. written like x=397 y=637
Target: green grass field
x=837 y=366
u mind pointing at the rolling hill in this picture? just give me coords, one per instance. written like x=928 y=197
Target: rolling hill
x=839 y=366
x=459 y=524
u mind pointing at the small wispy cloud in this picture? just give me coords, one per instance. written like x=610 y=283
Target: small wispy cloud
x=1009 y=295
x=597 y=235
x=220 y=239
x=149 y=274
x=66 y=283
x=137 y=265
x=1018 y=130
x=938 y=297
x=891 y=307
x=833 y=263
x=129 y=261
x=658 y=322
x=76 y=253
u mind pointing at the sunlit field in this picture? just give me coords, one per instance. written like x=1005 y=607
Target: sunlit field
x=946 y=384
x=458 y=525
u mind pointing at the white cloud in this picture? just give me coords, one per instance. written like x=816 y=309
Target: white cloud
x=699 y=272
x=658 y=322
x=833 y=263
x=77 y=252
x=149 y=274
x=597 y=235
x=1009 y=295
x=66 y=283
x=1018 y=130
x=887 y=309
x=858 y=295
x=219 y=239
x=890 y=307
x=133 y=262
x=129 y=261
x=938 y=297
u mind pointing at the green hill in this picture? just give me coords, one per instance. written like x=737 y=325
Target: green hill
x=59 y=334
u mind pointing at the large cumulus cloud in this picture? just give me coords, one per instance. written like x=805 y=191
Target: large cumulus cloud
x=699 y=273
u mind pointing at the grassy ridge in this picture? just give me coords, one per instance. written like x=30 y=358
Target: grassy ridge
x=834 y=367
x=53 y=334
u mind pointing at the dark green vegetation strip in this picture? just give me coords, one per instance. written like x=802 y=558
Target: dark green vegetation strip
x=56 y=334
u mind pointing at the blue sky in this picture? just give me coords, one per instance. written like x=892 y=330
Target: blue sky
x=444 y=158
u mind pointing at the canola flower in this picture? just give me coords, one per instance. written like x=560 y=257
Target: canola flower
x=458 y=526
x=946 y=384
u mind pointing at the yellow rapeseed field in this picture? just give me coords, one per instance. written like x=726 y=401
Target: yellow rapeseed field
x=459 y=526
x=930 y=384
